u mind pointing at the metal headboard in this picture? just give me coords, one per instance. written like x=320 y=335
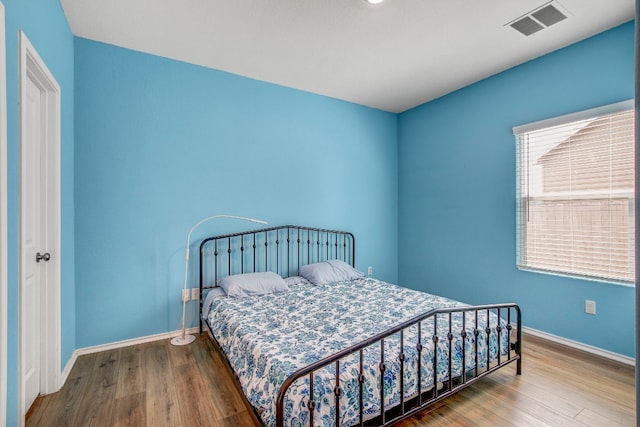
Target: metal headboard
x=280 y=249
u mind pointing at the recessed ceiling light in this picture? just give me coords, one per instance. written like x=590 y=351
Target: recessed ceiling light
x=374 y=1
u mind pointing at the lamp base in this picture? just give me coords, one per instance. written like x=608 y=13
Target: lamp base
x=183 y=340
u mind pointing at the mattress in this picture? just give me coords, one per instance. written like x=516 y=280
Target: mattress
x=267 y=338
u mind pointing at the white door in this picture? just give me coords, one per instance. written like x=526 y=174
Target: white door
x=34 y=239
x=39 y=317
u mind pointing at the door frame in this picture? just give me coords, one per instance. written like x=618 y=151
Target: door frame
x=3 y=221
x=34 y=68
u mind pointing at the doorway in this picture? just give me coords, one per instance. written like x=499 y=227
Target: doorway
x=39 y=288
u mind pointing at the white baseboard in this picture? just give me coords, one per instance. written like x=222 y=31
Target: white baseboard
x=580 y=346
x=118 y=344
x=67 y=369
x=133 y=341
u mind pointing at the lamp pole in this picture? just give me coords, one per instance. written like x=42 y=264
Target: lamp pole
x=183 y=338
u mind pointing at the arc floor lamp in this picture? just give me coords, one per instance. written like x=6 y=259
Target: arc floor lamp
x=184 y=339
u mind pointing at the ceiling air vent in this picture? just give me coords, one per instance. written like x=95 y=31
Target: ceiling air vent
x=549 y=15
x=538 y=19
x=527 y=26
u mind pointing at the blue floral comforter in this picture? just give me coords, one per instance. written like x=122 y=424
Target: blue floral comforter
x=267 y=338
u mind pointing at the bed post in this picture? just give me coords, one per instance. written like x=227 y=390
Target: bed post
x=519 y=341
x=201 y=288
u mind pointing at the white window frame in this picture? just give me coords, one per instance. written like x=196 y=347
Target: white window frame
x=548 y=123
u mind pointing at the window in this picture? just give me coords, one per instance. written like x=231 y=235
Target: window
x=575 y=213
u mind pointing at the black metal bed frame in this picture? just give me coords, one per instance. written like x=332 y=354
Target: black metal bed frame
x=288 y=247
x=281 y=249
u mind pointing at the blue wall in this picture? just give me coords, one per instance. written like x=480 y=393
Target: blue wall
x=161 y=144
x=457 y=204
x=45 y=25
x=430 y=193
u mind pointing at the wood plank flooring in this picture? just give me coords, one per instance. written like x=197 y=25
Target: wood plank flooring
x=157 y=384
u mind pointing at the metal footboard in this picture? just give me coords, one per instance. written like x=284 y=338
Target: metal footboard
x=509 y=318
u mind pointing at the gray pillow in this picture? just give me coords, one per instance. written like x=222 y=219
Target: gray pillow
x=253 y=284
x=330 y=271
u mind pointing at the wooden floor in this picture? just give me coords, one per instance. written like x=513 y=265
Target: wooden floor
x=157 y=384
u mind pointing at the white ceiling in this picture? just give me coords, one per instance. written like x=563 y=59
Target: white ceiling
x=391 y=56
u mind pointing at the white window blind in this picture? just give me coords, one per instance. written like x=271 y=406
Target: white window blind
x=575 y=213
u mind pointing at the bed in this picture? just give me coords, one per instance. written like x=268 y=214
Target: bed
x=329 y=346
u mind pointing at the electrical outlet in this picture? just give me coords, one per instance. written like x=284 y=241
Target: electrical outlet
x=195 y=293
x=370 y=271
x=185 y=295
x=589 y=306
